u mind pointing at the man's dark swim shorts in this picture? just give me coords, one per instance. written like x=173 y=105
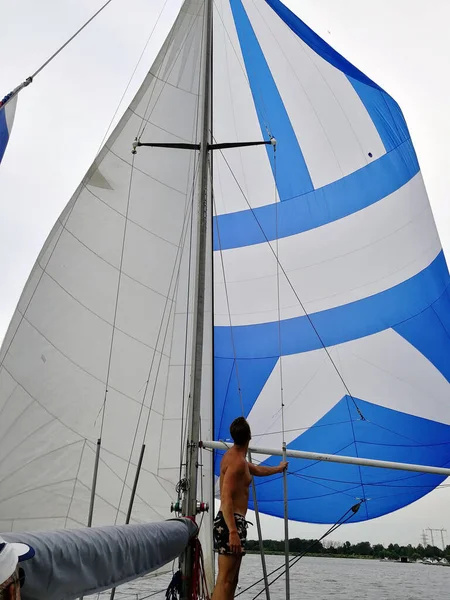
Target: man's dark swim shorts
x=221 y=533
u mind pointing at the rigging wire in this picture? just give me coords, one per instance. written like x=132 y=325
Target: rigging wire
x=146 y=117
x=55 y=54
x=30 y=79
x=186 y=339
x=277 y=257
x=236 y=366
x=302 y=554
x=255 y=87
x=171 y=301
x=280 y=352
x=64 y=220
x=294 y=559
x=175 y=271
x=116 y=304
x=133 y=73
x=308 y=316
x=172 y=304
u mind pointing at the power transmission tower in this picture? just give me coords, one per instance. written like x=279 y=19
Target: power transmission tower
x=441 y=531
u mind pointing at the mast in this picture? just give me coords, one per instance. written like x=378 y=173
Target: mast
x=204 y=206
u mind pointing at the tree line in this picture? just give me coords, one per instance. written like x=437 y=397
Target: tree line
x=364 y=549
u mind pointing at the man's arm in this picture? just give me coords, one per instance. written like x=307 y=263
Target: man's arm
x=230 y=484
x=259 y=471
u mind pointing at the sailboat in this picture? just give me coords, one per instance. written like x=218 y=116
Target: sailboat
x=254 y=238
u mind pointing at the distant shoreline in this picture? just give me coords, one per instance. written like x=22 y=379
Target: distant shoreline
x=353 y=557
x=317 y=555
x=362 y=550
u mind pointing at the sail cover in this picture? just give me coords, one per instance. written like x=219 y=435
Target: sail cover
x=7 y=113
x=71 y=564
x=326 y=242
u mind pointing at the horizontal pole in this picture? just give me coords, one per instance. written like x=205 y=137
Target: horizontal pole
x=349 y=460
x=226 y=145
x=177 y=145
x=187 y=146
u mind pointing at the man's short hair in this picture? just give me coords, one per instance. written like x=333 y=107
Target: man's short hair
x=240 y=431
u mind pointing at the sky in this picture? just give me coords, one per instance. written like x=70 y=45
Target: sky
x=64 y=116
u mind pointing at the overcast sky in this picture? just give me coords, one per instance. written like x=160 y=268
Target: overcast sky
x=62 y=118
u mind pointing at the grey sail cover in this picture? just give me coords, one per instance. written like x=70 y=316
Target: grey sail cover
x=70 y=564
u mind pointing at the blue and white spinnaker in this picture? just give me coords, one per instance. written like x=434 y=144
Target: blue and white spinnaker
x=327 y=242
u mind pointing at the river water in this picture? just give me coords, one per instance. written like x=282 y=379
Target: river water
x=325 y=578
x=347 y=579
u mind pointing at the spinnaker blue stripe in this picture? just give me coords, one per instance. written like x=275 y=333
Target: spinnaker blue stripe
x=292 y=173
x=383 y=110
x=429 y=332
x=323 y=491
x=4 y=133
x=316 y=43
x=319 y=207
x=340 y=324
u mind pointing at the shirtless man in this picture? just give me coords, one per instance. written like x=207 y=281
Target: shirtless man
x=230 y=526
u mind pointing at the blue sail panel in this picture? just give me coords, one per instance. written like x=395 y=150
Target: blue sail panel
x=323 y=492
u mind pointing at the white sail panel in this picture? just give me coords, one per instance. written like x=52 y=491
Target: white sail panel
x=382 y=368
x=235 y=119
x=104 y=323
x=396 y=236
x=337 y=133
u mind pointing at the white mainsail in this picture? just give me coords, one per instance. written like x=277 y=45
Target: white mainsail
x=100 y=343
